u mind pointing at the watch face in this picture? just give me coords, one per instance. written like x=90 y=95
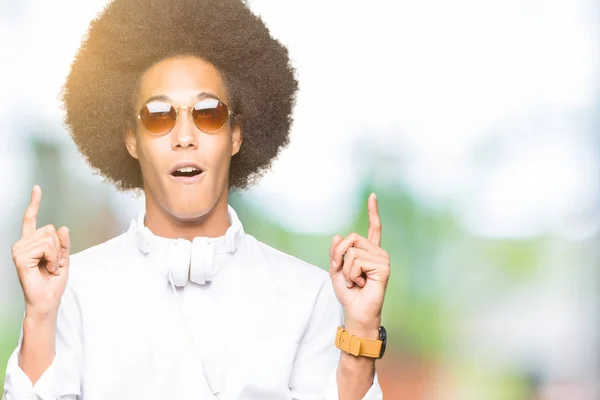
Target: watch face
x=383 y=338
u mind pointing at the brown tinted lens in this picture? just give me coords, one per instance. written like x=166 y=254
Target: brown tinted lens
x=210 y=115
x=158 y=119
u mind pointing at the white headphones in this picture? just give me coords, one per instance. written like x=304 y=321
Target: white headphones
x=180 y=260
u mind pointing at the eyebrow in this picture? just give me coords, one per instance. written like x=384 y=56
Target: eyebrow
x=199 y=96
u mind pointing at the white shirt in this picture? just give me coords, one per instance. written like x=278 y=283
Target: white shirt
x=145 y=317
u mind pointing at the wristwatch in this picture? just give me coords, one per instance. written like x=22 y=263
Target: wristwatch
x=360 y=346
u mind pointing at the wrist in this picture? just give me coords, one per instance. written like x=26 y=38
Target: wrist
x=364 y=330
x=39 y=332
x=38 y=345
x=39 y=318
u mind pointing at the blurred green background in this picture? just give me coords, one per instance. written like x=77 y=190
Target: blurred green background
x=476 y=123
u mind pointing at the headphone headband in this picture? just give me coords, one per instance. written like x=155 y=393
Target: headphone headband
x=182 y=258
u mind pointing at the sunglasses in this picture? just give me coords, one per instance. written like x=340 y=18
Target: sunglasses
x=160 y=117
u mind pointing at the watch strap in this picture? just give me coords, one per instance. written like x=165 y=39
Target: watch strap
x=357 y=346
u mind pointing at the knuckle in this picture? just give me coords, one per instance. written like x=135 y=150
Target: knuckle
x=26 y=218
x=348 y=262
x=332 y=249
x=351 y=253
x=346 y=266
x=14 y=249
x=18 y=261
x=352 y=270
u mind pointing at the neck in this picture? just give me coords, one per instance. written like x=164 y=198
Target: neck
x=212 y=224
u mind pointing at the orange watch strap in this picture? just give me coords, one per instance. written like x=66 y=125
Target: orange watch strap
x=357 y=346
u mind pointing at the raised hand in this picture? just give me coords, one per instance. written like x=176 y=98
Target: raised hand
x=42 y=260
x=359 y=271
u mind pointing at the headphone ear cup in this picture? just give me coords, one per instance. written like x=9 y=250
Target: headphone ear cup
x=179 y=262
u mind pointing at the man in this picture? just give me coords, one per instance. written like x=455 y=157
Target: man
x=185 y=100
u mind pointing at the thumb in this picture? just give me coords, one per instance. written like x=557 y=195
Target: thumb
x=65 y=242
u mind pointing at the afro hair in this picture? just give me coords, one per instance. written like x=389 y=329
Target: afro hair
x=130 y=36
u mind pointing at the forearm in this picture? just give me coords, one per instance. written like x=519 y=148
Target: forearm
x=38 y=345
x=355 y=374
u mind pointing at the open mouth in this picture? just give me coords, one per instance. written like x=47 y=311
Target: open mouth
x=187 y=172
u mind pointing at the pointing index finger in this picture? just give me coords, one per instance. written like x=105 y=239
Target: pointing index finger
x=374 y=221
x=30 y=217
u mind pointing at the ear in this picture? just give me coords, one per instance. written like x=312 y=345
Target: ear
x=236 y=139
x=131 y=143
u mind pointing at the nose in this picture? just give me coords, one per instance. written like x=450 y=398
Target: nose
x=185 y=134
